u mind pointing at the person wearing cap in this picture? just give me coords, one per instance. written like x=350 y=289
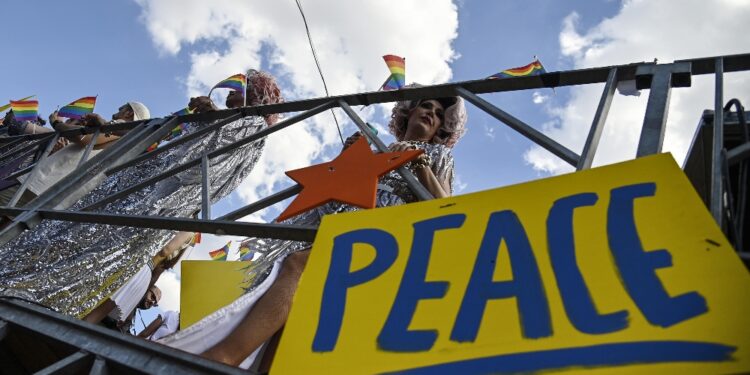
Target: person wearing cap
x=130 y=111
x=233 y=334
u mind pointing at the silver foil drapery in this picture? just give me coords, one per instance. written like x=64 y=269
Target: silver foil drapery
x=71 y=267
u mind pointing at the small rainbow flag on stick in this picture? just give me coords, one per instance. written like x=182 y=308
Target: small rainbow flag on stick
x=220 y=254
x=7 y=106
x=25 y=110
x=184 y=111
x=196 y=239
x=78 y=108
x=174 y=133
x=236 y=82
x=397 y=66
x=245 y=253
x=534 y=69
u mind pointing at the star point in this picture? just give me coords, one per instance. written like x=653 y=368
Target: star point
x=351 y=178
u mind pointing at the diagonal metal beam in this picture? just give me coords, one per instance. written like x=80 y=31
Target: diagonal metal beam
x=205 y=188
x=89 y=147
x=263 y=203
x=659 y=79
x=12 y=143
x=527 y=131
x=78 y=182
x=99 y=367
x=175 y=143
x=218 y=227
x=416 y=187
x=25 y=148
x=717 y=188
x=128 y=352
x=35 y=171
x=71 y=364
x=597 y=126
x=738 y=154
x=192 y=163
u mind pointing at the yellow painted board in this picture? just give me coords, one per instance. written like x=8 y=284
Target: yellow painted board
x=619 y=268
x=208 y=285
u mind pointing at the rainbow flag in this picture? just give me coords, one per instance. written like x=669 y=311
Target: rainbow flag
x=220 y=254
x=397 y=66
x=7 y=106
x=182 y=112
x=245 y=253
x=534 y=69
x=236 y=82
x=25 y=110
x=78 y=108
x=174 y=133
x=196 y=239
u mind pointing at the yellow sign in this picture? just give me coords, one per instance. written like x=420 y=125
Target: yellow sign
x=207 y=285
x=615 y=268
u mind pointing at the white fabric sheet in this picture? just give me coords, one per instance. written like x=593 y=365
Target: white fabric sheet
x=208 y=331
x=168 y=326
x=127 y=297
x=56 y=166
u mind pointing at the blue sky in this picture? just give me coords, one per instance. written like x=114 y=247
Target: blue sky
x=161 y=52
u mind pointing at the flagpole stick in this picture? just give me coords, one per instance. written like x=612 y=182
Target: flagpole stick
x=386 y=81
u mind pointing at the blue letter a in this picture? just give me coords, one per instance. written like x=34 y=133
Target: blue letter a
x=526 y=285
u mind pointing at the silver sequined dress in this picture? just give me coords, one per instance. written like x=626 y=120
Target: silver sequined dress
x=392 y=191
x=71 y=267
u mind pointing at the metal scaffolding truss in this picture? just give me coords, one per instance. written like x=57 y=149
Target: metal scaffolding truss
x=130 y=149
x=51 y=343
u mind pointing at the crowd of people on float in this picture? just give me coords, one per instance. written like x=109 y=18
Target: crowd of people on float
x=103 y=273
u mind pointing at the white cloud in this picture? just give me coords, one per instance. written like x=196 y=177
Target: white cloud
x=489 y=130
x=459 y=184
x=169 y=283
x=642 y=32
x=538 y=98
x=222 y=37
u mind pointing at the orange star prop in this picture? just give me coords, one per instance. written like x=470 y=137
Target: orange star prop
x=351 y=178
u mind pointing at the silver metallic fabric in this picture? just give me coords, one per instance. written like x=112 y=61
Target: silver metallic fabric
x=392 y=191
x=71 y=267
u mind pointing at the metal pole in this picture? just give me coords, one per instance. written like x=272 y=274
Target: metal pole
x=597 y=126
x=218 y=227
x=127 y=353
x=717 y=189
x=74 y=363
x=22 y=149
x=34 y=172
x=89 y=147
x=660 y=79
x=252 y=138
x=205 y=189
x=655 y=120
x=71 y=187
x=175 y=143
x=416 y=187
x=263 y=203
x=527 y=131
